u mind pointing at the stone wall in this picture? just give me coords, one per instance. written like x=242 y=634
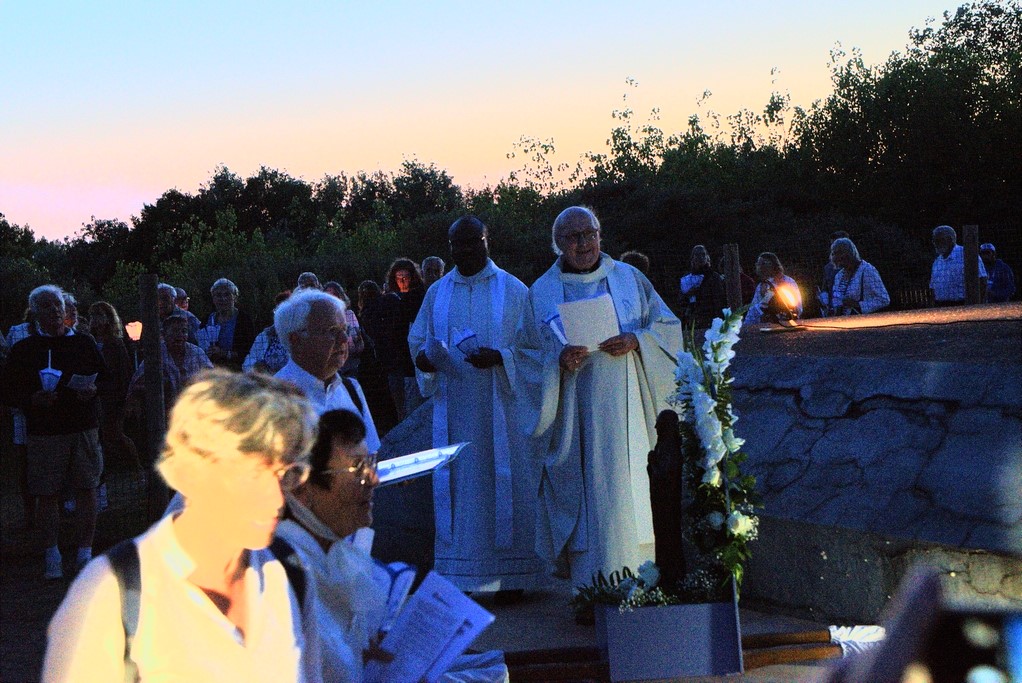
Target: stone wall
x=869 y=464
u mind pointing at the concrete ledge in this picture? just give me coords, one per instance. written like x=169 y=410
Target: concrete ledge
x=835 y=575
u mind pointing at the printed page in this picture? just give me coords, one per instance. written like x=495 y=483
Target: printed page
x=414 y=465
x=589 y=322
x=437 y=624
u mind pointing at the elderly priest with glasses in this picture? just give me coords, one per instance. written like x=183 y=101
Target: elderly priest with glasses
x=596 y=404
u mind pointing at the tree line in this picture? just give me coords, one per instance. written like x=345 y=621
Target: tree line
x=931 y=135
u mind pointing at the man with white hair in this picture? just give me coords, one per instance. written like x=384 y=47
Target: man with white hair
x=310 y=325
x=166 y=305
x=596 y=408
x=947 y=277
x=62 y=422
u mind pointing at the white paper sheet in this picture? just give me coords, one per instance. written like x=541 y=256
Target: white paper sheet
x=440 y=356
x=418 y=464
x=589 y=322
x=81 y=382
x=437 y=624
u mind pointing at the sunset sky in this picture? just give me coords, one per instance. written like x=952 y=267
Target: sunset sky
x=106 y=105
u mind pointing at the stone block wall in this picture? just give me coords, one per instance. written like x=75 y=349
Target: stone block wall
x=869 y=464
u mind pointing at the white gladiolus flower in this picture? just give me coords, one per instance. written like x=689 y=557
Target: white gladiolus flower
x=715 y=520
x=712 y=477
x=732 y=442
x=741 y=525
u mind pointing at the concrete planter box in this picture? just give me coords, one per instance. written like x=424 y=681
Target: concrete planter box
x=652 y=643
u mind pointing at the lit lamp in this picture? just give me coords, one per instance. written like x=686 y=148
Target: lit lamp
x=789 y=306
x=134 y=330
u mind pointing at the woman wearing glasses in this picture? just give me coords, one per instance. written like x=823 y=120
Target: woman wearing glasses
x=215 y=604
x=322 y=514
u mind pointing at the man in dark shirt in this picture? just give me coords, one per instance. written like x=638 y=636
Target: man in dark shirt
x=1001 y=285
x=62 y=415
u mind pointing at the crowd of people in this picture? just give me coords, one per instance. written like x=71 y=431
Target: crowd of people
x=273 y=439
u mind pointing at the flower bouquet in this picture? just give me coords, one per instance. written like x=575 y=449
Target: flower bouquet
x=696 y=629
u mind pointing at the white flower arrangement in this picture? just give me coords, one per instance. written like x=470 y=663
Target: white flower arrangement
x=720 y=517
x=723 y=498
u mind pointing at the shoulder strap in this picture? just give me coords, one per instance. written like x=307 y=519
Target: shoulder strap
x=124 y=563
x=287 y=556
x=353 y=393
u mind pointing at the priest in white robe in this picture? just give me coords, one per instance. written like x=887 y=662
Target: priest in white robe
x=485 y=500
x=595 y=410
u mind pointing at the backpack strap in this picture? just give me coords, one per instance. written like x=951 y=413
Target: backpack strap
x=124 y=563
x=287 y=556
x=353 y=393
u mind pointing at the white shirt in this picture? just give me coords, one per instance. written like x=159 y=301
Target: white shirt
x=181 y=634
x=864 y=286
x=947 y=277
x=331 y=397
x=349 y=608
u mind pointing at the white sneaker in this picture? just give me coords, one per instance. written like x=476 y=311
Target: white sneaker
x=54 y=564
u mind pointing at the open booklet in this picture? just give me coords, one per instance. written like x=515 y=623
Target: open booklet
x=414 y=465
x=437 y=623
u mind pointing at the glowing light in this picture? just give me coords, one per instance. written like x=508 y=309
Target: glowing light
x=788 y=297
x=134 y=330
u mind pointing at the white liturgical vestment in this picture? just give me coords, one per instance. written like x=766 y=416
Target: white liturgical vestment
x=595 y=426
x=485 y=500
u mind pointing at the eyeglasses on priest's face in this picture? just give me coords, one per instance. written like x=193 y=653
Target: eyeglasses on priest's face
x=580 y=236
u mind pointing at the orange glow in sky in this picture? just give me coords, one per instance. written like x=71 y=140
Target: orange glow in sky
x=109 y=104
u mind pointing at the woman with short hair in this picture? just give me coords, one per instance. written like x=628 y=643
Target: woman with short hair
x=230 y=331
x=857 y=284
x=215 y=604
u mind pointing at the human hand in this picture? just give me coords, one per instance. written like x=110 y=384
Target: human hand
x=423 y=363
x=572 y=357
x=485 y=357
x=620 y=345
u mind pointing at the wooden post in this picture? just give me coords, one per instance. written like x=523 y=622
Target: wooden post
x=155 y=410
x=732 y=276
x=970 y=240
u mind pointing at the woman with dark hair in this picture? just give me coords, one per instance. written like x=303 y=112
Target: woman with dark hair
x=777 y=295
x=368 y=292
x=405 y=292
x=106 y=328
